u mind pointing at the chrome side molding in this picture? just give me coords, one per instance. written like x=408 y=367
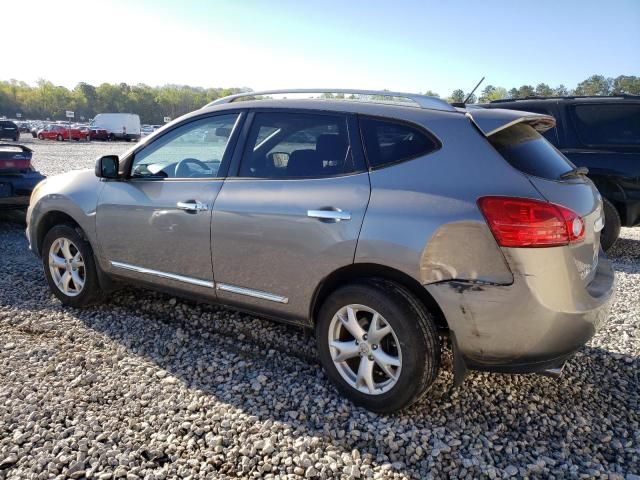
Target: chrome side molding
x=170 y=276
x=251 y=293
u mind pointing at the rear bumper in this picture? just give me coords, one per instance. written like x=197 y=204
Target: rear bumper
x=19 y=189
x=532 y=325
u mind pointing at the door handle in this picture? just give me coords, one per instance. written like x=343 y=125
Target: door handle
x=192 y=206
x=335 y=215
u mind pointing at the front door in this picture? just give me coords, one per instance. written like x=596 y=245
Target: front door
x=293 y=213
x=156 y=225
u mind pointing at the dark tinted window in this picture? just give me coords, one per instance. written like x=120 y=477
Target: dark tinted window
x=552 y=133
x=4 y=123
x=389 y=142
x=525 y=149
x=296 y=145
x=613 y=124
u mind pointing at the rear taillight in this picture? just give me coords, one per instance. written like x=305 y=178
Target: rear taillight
x=522 y=222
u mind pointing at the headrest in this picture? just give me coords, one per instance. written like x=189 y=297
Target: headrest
x=331 y=146
x=304 y=163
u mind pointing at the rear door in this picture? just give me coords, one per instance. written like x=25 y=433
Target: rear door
x=292 y=214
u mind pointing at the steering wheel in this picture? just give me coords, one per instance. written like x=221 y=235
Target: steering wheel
x=182 y=169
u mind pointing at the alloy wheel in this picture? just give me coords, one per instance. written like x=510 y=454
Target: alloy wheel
x=66 y=266
x=365 y=349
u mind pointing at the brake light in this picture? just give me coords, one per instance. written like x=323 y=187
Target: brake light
x=523 y=222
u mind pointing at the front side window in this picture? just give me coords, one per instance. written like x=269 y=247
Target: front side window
x=388 y=142
x=608 y=124
x=297 y=145
x=194 y=150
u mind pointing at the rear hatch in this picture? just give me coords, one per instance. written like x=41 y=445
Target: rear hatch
x=14 y=159
x=516 y=136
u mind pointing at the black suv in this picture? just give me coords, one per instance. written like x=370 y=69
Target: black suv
x=8 y=129
x=602 y=134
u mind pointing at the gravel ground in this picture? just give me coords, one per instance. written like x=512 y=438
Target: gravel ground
x=149 y=386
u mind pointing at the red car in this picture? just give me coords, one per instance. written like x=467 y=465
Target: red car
x=61 y=133
x=98 y=133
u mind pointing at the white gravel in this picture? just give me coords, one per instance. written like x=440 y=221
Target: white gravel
x=148 y=386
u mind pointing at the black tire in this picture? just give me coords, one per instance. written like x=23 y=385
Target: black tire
x=91 y=292
x=60 y=138
x=414 y=328
x=40 y=137
x=612 y=224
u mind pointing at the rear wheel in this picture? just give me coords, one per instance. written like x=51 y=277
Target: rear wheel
x=378 y=344
x=59 y=138
x=40 y=137
x=69 y=267
x=612 y=224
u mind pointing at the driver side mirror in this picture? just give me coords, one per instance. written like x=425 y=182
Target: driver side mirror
x=107 y=167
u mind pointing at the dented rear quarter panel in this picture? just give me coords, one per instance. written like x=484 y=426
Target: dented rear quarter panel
x=422 y=217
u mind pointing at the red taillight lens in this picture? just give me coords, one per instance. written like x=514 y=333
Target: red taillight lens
x=522 y=222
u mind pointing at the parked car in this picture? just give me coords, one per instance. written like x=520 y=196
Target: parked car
x=146 y=130
x=35 y=128
x=23 y=127
x=98 y=134
x=120 y=126
x=9 y=130
x=17 y=176
x=603 y=135
x=383 y=227
x=61 y=133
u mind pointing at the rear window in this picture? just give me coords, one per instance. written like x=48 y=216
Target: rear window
x=611 y=124
x=4 y=123
x=525 y=149
x=390 y=142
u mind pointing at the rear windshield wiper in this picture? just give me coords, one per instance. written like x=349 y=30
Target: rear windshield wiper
x=574 y=172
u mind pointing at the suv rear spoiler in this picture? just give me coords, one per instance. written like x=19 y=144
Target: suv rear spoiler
x=494 y=120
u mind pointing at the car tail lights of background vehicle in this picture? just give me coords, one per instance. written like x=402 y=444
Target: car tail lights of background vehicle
x=523 y=222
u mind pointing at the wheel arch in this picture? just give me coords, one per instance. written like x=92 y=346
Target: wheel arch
x=610 y=189
x=50 y=220
x=362 y=271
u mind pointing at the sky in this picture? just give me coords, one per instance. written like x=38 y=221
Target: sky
x=411 y=46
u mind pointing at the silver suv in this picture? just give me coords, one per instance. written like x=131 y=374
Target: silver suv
x=387 y=225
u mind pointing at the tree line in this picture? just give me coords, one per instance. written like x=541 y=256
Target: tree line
x=46 y=100
x=594 y=85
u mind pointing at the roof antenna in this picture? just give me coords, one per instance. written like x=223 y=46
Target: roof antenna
x=472 y=91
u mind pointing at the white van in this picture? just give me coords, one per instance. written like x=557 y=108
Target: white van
x=119 y=126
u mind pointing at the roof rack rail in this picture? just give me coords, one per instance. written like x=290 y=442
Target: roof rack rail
x=564 y=97
x=421 y=101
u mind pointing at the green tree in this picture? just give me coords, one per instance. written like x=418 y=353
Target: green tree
x=560 y=91
x=625 y=84
x=594 y=85
x=543 y=90
x=431 y=93
x=457 y=96
x=490 y=93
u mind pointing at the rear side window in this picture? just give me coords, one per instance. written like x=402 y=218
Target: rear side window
x=613 y=124
x=388 y=142
x=525 y=149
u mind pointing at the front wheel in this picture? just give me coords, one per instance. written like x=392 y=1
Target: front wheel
x=612 y=225
x=378 y=345
x=69 y=267
x=59 y=138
